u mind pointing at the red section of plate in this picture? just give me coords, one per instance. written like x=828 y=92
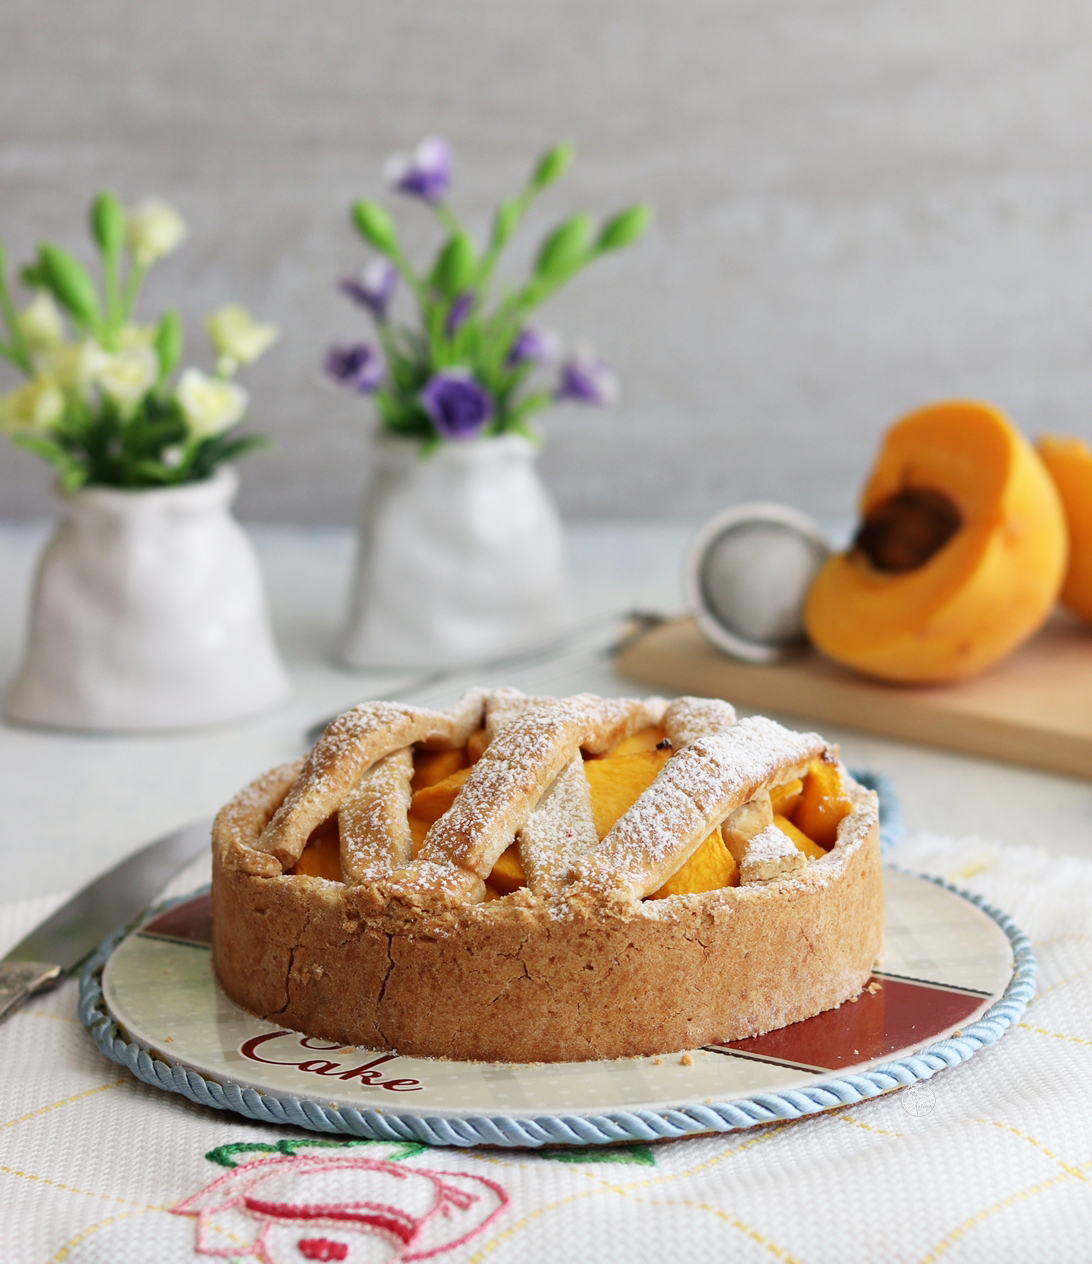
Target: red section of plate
x=897 y=1014
x=190 y=922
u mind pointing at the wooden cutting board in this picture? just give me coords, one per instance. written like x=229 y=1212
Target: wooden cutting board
x=1034 y=709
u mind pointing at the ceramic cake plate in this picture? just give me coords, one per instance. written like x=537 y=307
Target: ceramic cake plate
x=954 y=976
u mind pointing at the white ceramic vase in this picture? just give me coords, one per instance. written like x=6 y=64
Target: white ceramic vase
x=460 y=560
x=149 y=613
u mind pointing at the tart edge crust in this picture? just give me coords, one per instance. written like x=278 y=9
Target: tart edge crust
x=520 y=980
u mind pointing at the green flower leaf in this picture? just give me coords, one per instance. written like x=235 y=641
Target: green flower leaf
x=224 y=1155
x=375 y=226
x=70 y=284
x=72 y=473
x=32 y=276
x=552 y=165
x=168 y=343
x=455 y=265
x=505 y=222
x=108 y=223
x=625 y=227
x=564 y=248
x=602 y=1154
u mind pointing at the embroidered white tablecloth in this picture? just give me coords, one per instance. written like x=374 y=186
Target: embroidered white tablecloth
x=991 y=1160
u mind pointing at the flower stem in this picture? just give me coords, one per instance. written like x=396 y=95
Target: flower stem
x=406 y=272
x=446 y=216
x=110 y=290
x=132 y=289
x=17 y=353
x=539 y=289
x=489 y=259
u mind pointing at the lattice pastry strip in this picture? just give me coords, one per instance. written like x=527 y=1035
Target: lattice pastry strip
x=372 y=820
x=502 y=706
x=696 y=789
x=559 y=832
x=529 y=784
x=348 y=748
x=530 y=750
x=247 y=815
x=687 y=719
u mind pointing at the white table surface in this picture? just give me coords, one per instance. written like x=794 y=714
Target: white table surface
x=74 y=804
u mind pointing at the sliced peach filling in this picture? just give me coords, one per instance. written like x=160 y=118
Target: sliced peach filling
x=322 y=856
x=807 y=810
x=823 y=803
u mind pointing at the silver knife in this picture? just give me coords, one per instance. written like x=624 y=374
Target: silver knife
x=56 y=946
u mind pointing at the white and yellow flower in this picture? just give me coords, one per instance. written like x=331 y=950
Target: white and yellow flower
x=237 y=338
x=210 y=404
x=70 y=365
x=40 y=323
x=132 y=335
x=124 y=376
x=155 y=230
x=36 y=405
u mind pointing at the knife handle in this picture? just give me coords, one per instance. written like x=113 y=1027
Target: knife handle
x=19 y=980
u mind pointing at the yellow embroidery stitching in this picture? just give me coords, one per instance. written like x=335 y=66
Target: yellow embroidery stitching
x=1058 y=1035
x=71 y=1189
x=86 y=1233
x=1066 y=1167
x=493 y=1243
x=870 y=1127
x=64 y=1101
x=950 y=1239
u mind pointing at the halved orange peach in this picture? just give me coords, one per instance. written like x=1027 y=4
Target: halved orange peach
x=960 y=556
x=1070 y=464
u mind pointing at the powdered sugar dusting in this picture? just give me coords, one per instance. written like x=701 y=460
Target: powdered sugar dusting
x=505 y=785
x=373 y=823
x=687 y=719
x=526 y=780
x=350 y=745
x=696 y=789
x=770 y=854
x=770 y=844
x=559 y=831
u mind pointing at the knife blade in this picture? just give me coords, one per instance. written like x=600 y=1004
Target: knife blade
x=56 y=946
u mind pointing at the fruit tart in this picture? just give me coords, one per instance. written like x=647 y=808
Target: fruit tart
x=526 y=879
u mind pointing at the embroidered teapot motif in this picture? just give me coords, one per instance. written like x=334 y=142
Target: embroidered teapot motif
x=306 y=1201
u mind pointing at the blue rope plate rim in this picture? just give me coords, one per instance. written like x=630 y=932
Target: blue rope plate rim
x=577 y=1130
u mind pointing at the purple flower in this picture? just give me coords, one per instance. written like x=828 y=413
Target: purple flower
x=457 y=313
x=373 y=287
x=426 y=173
x=587 y=379
x=533 y=346
x=357 y=366
x=456 y=403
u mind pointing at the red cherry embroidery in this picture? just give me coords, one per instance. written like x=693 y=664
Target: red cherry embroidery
x=322 y=1249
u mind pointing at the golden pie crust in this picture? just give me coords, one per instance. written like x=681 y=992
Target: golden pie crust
x=407 y=954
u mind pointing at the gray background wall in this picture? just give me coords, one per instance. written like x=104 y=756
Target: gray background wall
x=861 y=206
